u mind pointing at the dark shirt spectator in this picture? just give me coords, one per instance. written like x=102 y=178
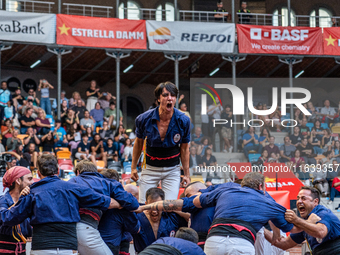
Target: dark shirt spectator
x=243 y=17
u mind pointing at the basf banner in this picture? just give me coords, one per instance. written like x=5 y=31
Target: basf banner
x=27 y=27
x=279 y=40
x=331 y=41
x=100 y=32
x=191 y=36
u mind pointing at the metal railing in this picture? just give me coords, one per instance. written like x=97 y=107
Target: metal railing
x=88 y=10
x=261 y=19
x=203 y=16
x=146 y=14
x=29 y=6
x=314 y=21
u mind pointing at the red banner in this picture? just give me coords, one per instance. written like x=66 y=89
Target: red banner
x=279 y=40
x=274 y=173
x=101 y=32
x=331 y=41
x=281 y=197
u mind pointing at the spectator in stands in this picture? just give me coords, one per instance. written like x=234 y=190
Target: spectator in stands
x=334 y=22
x=22 y=159
x=60 y=135
x=110 y=116
x=106 y=133
x=79 y=109
x=332 y=173
x=5 y=94
x=89 y=133
x=328 y=113
x=31 y=138
x=47 y=142
x=74 y=100
x=298 y=115
x=297 y=165
x=97 y=148
x=86 y=122
x=251 y=142
x=63 y=97
x=43 y=125
x=276 y=119
x=9 y=111
x=33 y=96
x=221 y=14
x=197 y=136
x=306 y=150
x=335 y=189
x=32 y=151
x=84 y=149
x=92 y=94
x=209 y=160
x=29 y=104
x=205 y=143
x=303 y=128
x=263 y=158
x=318 y=129
x=6 y=131
x=13 y=141
x=120 y=137
x=63 y=112
x=273 y=150
x=27 y=121
x=296 y=137
x=194 y=160
x=287 y=150
x=97 y=115
x=71 y=119
x=110 y=149
x=127 y=150
x=183 y=107
x=336 y=149
x=264 y=137
x=132 y=135
x=244 y=15
x=105 y=100
x=205 y=124
x=315 y=142
x=73 y=137
x=18 y=99
x=226 y=131
x=45 y=103
x=214 y=112
x=313 y=111
x=327 y=140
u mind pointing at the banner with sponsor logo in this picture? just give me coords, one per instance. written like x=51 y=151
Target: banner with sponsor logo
x=191 y=36
x=331 y=40
x=27 y=27
x=279 y=40
x=100 y=32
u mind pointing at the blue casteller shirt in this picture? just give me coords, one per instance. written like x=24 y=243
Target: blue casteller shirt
x=108 y=187
x=169 y=224
x=114 y=223
x=52 y=200
x=246 y=204
x=146 y=125
x=6 y=201
x=186 y=247
x=328 y=219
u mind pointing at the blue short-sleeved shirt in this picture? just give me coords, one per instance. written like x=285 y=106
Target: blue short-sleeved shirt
x=247 y=136
x=186 y=247
x=329 y=220
x=178 y=131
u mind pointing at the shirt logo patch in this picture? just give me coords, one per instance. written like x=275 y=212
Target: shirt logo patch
x=172 y=233
x=177 y=137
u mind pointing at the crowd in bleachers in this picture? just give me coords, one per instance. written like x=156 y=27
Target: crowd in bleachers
x=29 y=127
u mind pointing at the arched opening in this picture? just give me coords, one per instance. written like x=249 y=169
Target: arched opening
x=283 y=19
x=169 y=12
x=131 y=12
x=324 y=17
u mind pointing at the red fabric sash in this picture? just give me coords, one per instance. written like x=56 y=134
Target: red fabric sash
x=18 y=248
x=157 y=158
x=237 y=227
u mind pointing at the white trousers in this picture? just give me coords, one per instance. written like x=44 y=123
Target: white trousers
x=170 y=177
x=221 y=245
x=50 y=252
x=90 y=241
x=91 y=103
x=263 y=247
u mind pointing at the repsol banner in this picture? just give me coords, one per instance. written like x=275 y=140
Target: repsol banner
x=27 y=27
x=191 y=36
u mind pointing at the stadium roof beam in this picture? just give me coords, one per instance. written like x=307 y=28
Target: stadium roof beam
x=198 y=59
x=274 y=70
x=93 y=69
x=16 y=54
x=74 y=59
x=249 y=65
x=152 y=72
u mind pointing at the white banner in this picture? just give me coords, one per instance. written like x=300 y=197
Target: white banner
x=27 y=27
x=191 y=36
